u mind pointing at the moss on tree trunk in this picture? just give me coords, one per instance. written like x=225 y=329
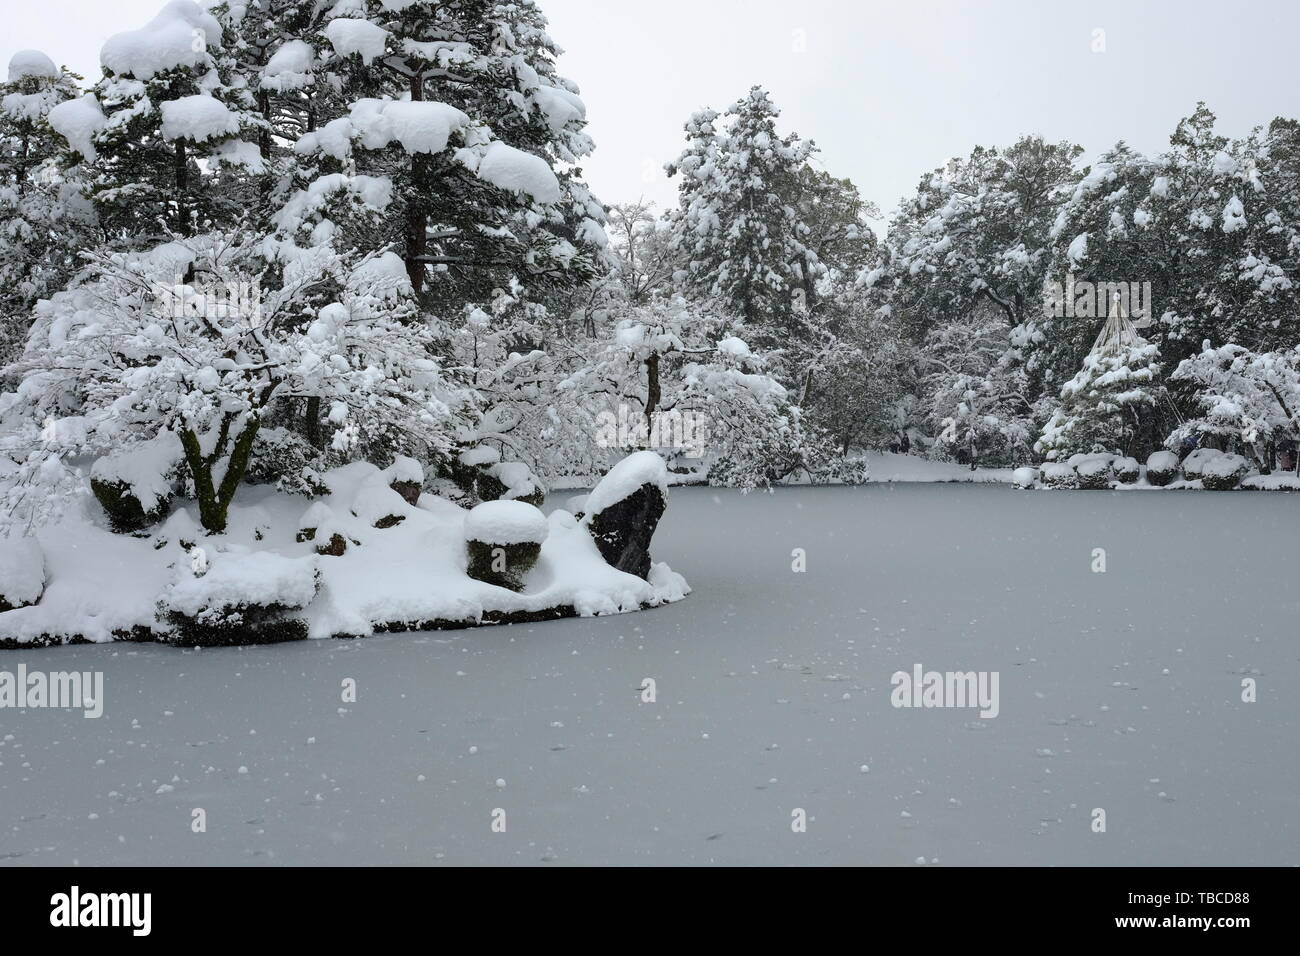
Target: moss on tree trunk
x=214 y=499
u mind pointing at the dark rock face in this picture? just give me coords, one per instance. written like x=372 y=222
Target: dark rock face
x=126 y=514
x=504 y=565
x=336 y=547
x=623 y=531
x=235 y=627
x=409 y=490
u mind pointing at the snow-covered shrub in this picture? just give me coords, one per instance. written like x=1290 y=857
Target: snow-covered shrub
x=1224 y=472
x=624 y=509
x=242 y=597
x=1024 y=477
x=282 y=457
x=1162 y=468
x=1194 y=464
x=1094 y=472
x=22 y=572
x=504 y=540
x=1058 y=474
x=1127 y=470
x=135 y=486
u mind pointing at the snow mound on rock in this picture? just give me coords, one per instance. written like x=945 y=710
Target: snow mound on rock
x=22 y=571
x=245 y=579
x=637 y=469
x=506 y=522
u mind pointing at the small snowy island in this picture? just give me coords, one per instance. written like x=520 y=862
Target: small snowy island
x=373 y=553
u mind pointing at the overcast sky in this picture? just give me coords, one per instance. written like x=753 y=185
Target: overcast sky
x=887 y=90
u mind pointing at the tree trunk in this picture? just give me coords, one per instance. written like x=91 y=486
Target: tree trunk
x=214 y=500
x=182 y=187
x=315 y=434
x=417 y=222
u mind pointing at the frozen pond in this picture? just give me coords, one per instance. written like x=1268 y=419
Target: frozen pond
x=1118 y=690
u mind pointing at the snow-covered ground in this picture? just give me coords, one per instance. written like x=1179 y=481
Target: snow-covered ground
x=1118 y=690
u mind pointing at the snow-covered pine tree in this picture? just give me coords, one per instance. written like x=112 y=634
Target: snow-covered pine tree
x=457 y=106
x=43 y=219
x=740 y=236
x=167 y=101
x=1111 y=404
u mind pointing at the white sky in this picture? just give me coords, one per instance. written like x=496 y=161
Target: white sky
x=887 y=90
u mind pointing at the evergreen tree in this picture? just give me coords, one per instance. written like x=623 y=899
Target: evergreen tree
x=737 y=229
x=43 y=221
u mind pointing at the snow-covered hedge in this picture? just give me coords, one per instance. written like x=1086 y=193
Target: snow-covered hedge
x=1162 y=468
x=1224 y=472
x=1058 y=474
x=1127 y=470
x=1093 y=471
x=1194 y=464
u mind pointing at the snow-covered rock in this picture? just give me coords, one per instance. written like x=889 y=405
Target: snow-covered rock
x=506 y=522
x=243 y=597
x=135 y=485
x=406 y=477
x=624 y=509
x=504 y=540
x=22 y=572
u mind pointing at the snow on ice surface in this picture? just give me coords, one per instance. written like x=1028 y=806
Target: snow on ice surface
x=506 y=522
x=752 y=717
x=165 y=43
x=31 y=63
x=637 y=469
